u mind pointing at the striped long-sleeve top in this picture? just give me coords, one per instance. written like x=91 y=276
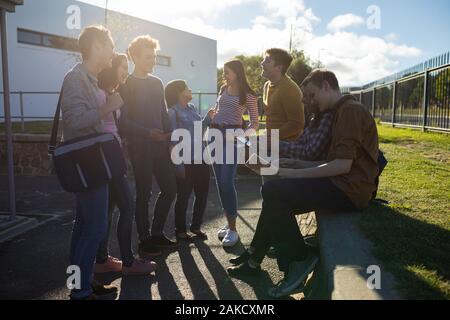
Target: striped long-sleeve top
x=230 y=111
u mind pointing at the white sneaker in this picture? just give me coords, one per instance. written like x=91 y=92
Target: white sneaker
x=231 y=239
x=223 y=232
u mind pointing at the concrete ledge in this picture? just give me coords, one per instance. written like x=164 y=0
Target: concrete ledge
x=345 y=256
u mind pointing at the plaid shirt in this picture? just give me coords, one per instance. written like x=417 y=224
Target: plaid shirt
x=314 y=143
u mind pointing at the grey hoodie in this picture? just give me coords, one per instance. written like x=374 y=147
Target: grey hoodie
x=80 y=108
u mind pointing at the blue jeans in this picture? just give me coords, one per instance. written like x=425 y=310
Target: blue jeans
x=225 y=175
x=119 y=195
x=91 y=223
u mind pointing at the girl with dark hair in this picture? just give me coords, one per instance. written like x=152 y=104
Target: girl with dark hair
x=235 y=98
x=109 y=81
x=190 y=176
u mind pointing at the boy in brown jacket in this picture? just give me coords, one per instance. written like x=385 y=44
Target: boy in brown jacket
x=344 y=182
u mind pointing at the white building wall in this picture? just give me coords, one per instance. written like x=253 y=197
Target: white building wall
x=38 y=69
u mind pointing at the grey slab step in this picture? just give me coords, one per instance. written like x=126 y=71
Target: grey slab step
x=345 y=256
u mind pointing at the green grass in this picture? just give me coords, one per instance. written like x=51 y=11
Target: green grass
x=411 y=235
x=33 y=127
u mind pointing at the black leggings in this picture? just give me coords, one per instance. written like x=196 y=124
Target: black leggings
x=197 y=180
x=283 y=199
x=150 y=160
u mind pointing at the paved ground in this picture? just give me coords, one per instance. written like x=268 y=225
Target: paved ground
x=32 y=266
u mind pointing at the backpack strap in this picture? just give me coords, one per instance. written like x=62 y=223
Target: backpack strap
x=54 y=135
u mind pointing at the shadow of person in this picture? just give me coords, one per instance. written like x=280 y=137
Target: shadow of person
x=260 y=284
x=226 y=289
x=167 y=287
x=400 y=241
x=199 y=286
x=136 y=287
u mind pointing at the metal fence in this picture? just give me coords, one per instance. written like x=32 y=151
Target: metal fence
x=20 y=117
x=420 y=100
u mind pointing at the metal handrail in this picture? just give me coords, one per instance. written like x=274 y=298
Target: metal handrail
x=24 y=118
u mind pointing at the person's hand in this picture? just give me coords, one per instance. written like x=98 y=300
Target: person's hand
x=212 y=113
x=114 y=102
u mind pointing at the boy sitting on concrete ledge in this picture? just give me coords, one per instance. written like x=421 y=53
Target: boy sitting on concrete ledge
x=344 y=182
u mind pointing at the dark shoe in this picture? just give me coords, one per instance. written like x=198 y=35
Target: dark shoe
x=163 y=242
x=295 y=279
x=102 y=290
x=241 y=259
x=200 y=234
x=148 y=249
x=244 y=270
x=271 y=253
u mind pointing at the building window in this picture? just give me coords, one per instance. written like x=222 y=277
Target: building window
x=64 y=43
x=47 y=40
x=163 y=61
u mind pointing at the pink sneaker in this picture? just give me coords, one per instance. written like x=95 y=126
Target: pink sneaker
x=111 y=265
x=140 y=268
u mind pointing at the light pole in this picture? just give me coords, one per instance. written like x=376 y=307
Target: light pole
x=290 y=39
x=318 y=61
x=7 y=107
x=106 y=13
x=10 y=6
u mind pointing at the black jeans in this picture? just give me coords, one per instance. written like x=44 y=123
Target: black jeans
x=120 y=195
x=283 y=199
x=148 y=160
x=197 y=180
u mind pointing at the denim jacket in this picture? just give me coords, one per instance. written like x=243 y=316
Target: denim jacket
x=184 y=118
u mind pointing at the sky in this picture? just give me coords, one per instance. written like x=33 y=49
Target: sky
x=361 y=40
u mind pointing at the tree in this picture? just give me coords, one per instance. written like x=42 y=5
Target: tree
x=300 y=67
x=252 y=70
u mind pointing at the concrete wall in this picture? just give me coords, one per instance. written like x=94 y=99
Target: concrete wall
x=30 y=155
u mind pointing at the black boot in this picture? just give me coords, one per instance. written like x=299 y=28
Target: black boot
x=241 y=259
x=244 y=270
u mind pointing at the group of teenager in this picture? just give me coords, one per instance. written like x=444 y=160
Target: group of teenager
x=328 y=159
